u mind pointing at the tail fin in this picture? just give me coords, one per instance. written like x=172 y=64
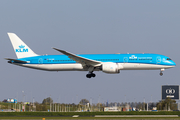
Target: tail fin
x=20 y=48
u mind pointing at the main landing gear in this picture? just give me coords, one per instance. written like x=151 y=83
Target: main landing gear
x=161 y=72
x=89 y=75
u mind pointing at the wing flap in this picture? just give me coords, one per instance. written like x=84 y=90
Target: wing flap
x=79 y=59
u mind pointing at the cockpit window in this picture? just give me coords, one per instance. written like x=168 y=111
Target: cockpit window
x=168 y=58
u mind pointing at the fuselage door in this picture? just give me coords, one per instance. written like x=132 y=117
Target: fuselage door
x=125 y=59
x=40 y=61
x=158 y=59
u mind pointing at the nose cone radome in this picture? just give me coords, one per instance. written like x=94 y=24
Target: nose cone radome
x=170 y=63
x=173 y=63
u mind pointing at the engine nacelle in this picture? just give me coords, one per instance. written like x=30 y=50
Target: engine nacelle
x=110 y=68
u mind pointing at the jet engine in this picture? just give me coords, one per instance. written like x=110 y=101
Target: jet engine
x=111 y=68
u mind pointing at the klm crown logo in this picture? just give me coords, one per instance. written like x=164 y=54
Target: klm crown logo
x=22 y=46
x=133 y=57
x=21 y=49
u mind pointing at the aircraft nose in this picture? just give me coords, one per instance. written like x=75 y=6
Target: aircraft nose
x=173 y=63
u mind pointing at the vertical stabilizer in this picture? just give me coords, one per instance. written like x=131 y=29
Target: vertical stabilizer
x=20 y=48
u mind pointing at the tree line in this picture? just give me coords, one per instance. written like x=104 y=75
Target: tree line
x=84 y=105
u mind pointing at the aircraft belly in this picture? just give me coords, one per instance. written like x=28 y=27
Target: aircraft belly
x=137 y=66
x=55 y=67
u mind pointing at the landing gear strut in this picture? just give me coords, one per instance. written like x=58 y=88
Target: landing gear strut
x=90 y=75
x=161 y=72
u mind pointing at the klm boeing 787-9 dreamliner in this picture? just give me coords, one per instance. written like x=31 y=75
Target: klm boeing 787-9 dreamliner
x=108 y=63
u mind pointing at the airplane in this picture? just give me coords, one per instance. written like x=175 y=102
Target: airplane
x=107 y=63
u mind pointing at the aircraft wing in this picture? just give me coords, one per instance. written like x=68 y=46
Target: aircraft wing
x=14 y=60
x=79 y=59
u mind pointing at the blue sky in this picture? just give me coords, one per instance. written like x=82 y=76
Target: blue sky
x=90 y=26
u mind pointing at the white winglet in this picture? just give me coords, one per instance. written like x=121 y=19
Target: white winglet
x=20 y=48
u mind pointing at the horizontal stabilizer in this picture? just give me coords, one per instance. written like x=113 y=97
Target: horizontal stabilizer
x=16 y=61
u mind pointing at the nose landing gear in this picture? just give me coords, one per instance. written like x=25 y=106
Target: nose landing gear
x=161 y=72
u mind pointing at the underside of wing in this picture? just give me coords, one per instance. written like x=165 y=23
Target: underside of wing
x=15 y=61
x=84 y=61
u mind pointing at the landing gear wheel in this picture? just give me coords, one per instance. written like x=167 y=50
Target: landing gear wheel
x=161 y=74
x=93 y=75
x=88 y=75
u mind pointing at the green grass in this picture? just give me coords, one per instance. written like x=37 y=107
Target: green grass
x=174 y=118
x=66 y=114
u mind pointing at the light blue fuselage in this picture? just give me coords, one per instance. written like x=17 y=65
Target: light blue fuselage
x=128 y=61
